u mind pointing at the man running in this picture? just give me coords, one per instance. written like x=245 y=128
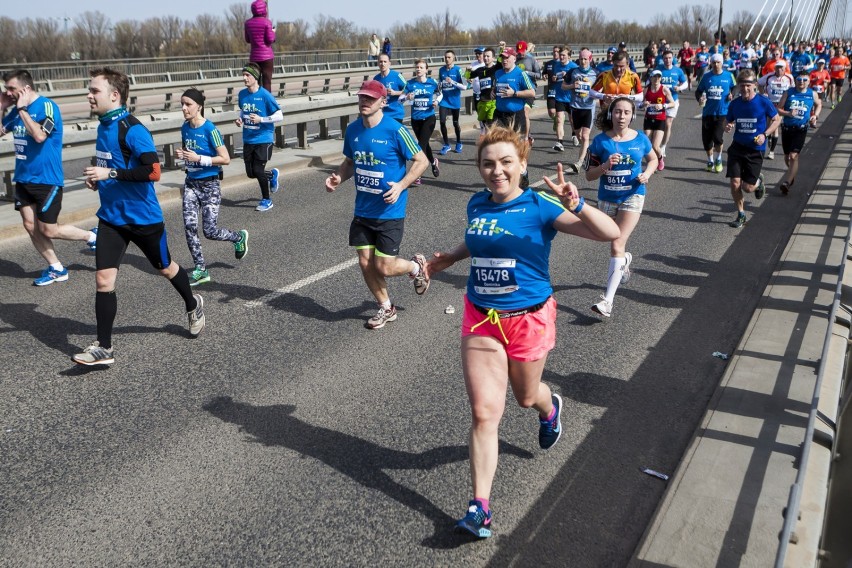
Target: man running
x=716 y=87
x=376 y=149
x=528 y=64
x=514 y=86
x=36 y=127
x=773 y=86
x=675 y=79
x=127 y=165
x=394 y=82
x=820 y=80
x=684 y=56
x=552 y=83
x=578 y=81
x=618 y=81
x=562 y=99
x=259 y=111
x=484 y=77
x=452 y=84
x=752 y=118
x=702 y=60
x=838 y=66
x=800 y=108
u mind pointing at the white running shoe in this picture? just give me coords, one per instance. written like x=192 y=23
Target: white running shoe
x=603 y=307
x=625 y=270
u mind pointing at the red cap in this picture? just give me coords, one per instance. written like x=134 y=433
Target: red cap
x=510 y=51
x=373 y=88
x=521 y=46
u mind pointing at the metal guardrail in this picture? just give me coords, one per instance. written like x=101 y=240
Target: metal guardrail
x=842 y=299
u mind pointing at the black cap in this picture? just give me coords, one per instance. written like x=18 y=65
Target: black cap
x=622 y=44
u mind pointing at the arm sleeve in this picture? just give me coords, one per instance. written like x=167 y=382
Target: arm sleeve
x=142 y=148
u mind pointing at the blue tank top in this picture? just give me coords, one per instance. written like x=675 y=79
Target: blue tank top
x=801 y=104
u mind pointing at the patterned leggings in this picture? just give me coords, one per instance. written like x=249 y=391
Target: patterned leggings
x=206 y=196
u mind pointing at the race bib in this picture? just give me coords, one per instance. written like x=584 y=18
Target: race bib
x=618 y=180
x=369 y=181
x=493 y=275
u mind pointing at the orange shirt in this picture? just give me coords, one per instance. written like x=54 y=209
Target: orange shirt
x=628 y=84
x=837 y=66
x=769 y=67
x=819 y=79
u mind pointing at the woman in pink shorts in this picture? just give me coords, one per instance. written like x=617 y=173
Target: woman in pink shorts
x=509 y=322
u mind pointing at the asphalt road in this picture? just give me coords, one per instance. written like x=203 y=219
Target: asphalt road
x=288 y=434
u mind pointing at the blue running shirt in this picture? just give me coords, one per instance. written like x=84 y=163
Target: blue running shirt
x=424 y=98
x=394 y=82
x=586 y=77
x=672 y=78
x=620 y=183
x=379 y=155
x=801 y=104
x=716 y=88
x=517 y=80
x=509 y=246
x=262 y=103
x=562 y=71
x=125 y=202
x=37 y=162
x=750 y=119
x=204 y=141
x=449 y=78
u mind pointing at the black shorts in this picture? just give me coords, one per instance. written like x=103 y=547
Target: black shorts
x=515 y=120
x=837 y=82
x=113 y=241
x=385 y=235
x=562 y=107
x=687 y=70
x=652 y=123
x=581 y=118
x=47 y=200
x=551 y=103
x=712 y=131
x=793 y=139
x=257 y=152
x=744 y=163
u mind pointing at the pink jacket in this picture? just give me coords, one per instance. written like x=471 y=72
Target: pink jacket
x=260 y=33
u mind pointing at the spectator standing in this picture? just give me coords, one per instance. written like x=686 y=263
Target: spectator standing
x=260 y=33
x=374 y=48
x=386 y=46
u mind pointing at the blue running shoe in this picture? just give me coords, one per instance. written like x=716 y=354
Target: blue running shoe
x=444 y=149
x=49 y=276
x=550 y=430
x=477 y=522
x=273 y=181
x=93 y=244
x=459 y=147
x=264 y=205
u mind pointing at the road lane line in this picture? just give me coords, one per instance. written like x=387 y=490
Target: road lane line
x=302 y=283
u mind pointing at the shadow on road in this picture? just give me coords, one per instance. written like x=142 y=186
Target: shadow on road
x=362 y=461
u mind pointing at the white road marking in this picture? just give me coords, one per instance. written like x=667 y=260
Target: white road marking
x=301 y=283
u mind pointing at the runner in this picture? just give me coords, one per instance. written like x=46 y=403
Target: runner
x=702 y=61
x=424 y=94
x=527 y=62
x=205 y=154
x=773 y=87
x=838 y=68
x=800 y=107
x=658 y=98
x=376 y=149
x=513 y=88
x=394 y=82
x=752 y=119
x=801 y=61
x=716 y=89
x=685 y=56
x=615 y=158
x=675 y=79
x=36 y=127
x=616 y=82
x=484 y=77
x=553 y=83
x=820 y=80
x=607 y=64
x=127 y=165
x=452 y=84
x=478 y=61
x=579 y=81
x=509 y=321
x=562 y=99
x=258 y=112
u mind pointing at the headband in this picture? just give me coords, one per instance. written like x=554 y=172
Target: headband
x=252 y=71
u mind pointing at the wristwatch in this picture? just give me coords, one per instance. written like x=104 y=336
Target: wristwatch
x=113 y=173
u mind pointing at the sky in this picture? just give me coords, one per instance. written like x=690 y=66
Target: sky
x=379 y=17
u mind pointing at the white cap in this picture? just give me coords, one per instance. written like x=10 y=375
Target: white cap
x=703 y=43
x=780 y=63
x=717 y=57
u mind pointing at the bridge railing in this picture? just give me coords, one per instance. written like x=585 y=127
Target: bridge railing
x=822 y=428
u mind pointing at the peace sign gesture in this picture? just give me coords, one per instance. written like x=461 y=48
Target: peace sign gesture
x=567 y=192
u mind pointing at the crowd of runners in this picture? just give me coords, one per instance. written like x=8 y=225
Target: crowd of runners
x=508 y=323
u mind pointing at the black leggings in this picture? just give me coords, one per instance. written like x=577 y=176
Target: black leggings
x=255 y=157
x=444 y=112
x=423 y=130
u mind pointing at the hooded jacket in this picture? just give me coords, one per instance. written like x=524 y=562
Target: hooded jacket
x=259 y=32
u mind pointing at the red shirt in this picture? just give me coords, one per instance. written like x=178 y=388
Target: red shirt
x=685 y=56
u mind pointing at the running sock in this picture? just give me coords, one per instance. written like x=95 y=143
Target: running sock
x=386 y=304
x=181 y=283
x=106 y=306
x=663 y=149
x=92 y=237
x=483 y=502
x=57 y=266
x=549 y=416
x=616 y=263
x=414 y=271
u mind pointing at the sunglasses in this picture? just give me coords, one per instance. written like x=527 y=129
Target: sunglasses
x=801 y=79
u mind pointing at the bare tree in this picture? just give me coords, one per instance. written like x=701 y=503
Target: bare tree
x=12 y=49
x=92 y=35
x=42 y=40
x=128 y=39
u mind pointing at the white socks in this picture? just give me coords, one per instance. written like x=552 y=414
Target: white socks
x=616 y=266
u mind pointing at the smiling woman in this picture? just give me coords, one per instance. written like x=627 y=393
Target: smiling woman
x=509 y=321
